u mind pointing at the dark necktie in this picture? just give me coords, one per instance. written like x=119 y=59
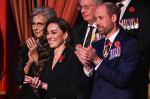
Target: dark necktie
x=119 y=6
x=106 y=48
x=88 y=39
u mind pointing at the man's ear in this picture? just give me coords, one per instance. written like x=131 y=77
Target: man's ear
x=114 y=18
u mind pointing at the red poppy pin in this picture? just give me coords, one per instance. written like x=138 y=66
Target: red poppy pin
x=131 y=9
x=117 y=43
x=61 y=58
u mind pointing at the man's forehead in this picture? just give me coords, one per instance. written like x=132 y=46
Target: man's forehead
x=100 y=10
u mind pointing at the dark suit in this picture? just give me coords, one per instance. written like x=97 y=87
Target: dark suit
x=79 y=32
x=113 y=78
x=142 y=34
x=64 y=80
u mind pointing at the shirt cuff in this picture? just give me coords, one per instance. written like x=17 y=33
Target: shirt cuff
x=89 y=74
x=98 y=64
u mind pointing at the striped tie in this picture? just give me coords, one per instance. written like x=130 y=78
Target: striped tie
x=88 y=39
x=106 y=48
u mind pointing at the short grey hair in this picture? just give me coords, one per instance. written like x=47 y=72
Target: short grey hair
x=47 y=12
x=96 y=1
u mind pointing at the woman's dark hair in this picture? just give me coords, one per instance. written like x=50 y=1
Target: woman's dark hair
x=44 y=54
x=65 y=27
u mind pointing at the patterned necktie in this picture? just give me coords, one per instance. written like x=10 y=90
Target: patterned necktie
x=119 y=6
x=106 y=48
x=88 y=39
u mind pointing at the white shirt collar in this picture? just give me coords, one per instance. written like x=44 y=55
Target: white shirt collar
x=112 y=37
x=94 y=25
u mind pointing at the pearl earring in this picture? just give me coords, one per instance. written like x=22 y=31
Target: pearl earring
x=64 y=41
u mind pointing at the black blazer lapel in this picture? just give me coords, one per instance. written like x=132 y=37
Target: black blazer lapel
x=128 y=14
x=99 y=47
x=61 y=60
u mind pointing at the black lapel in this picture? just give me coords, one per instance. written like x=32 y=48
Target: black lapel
x=61 y=60
x=99 y=47
x=128 y=14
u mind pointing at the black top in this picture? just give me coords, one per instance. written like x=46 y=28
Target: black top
x=64 y=80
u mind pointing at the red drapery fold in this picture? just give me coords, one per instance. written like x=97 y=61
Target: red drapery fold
x=21 y=14
x=8 y=48
x=66 y=9
x=3 y=14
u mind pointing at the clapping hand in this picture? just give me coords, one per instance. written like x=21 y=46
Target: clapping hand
x=33 y=52
x=82 y=54
x=34 y=82
x=87 y=56
x=32 y=45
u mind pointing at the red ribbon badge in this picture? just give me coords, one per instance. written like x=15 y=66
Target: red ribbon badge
x=131 y=9
x=61 y=58
x=117 y=43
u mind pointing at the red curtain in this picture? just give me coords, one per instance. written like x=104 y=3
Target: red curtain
x=22 y=19
x=3 y=8
x=8 y=50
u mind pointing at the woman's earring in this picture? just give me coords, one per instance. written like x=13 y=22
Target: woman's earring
x=64 y=41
